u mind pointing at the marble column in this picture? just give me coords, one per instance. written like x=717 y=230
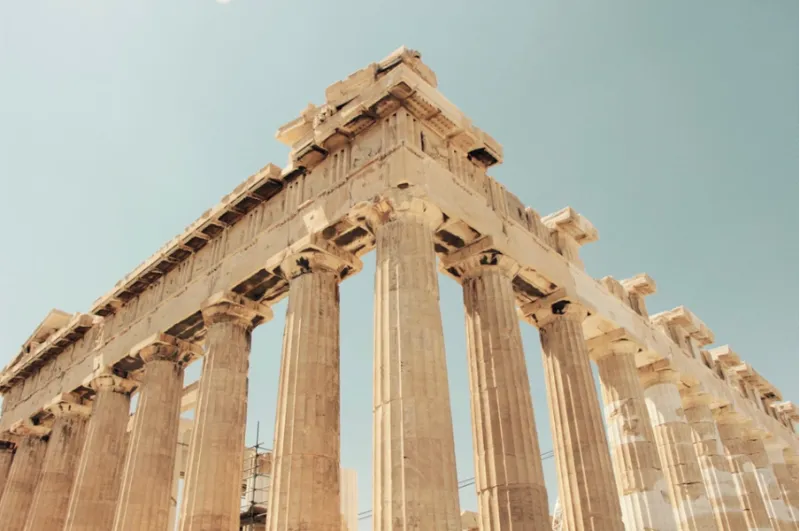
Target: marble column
x=6 y=458
x=23 y=476
x=641 y=487
x=414 y=470
x=144 y=498
x=305 y=488
x=676 y=449
x=778 y=512
x=214 y=474
x=51 y=497
x=793 y=471
x=94 y=494
x=508 y=470
x=733 y=434
x=788 y=488
x=586 y=485
x=714 y=466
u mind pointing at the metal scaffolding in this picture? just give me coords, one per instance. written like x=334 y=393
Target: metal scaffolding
x=255 y=486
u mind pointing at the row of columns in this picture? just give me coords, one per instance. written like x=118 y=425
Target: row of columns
x=672 y=462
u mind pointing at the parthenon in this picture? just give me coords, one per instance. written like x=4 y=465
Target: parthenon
x=688 y=435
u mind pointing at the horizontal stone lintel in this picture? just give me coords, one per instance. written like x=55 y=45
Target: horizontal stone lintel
x=407 y=166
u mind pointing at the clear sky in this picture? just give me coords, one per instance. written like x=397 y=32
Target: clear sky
x=672 y=126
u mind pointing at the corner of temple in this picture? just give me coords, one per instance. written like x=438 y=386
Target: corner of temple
x=409 y=202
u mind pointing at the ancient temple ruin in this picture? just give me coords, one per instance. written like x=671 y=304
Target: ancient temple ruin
x=694 y=437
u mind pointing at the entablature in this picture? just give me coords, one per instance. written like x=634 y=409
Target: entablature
x=27 y=362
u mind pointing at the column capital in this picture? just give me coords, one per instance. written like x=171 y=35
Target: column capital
x=695 y=396
x=26 y=428
x=164 y=347
x=68 y=405
x=542 y=312
x=478 y=257
x=317 y=255
x=105 y=378
x=613 y=342
x=403 y=204
x=726 y=415
x=228 y=306
x=659 y=372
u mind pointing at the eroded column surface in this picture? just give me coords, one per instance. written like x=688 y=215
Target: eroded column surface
x=508 y=469
x=676 y=450
x=214 y=473
x=586 y=483
x=642 y=489
x=6 y=458
x=144 y=498
x=414 y=481
x=717 y=475
x=305 y=489
x=778 y=512
x=94 y=495
x=51 y=497
x=780 y=466
x=22 y=477
x=733 y=434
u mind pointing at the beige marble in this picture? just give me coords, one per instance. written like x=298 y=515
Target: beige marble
x=508 y=471
x=305 y=488
x=94 y=496
x=22 y=480
x=641 y=486
x=6 y=458
x=787 y=486
x=383 y=132
x=675 y=446
x=779 y=515
x=146 y=488
x=586 y=485
x=414 y=469
x=714 y=466
x=64 y=447
x=734 y=437
x=214 y=475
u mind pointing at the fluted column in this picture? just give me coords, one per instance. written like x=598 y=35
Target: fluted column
x=23 y=476
x=778 y=512
x=51 y=497
x=586 y=484
x=214 y=474
x=94 y=494
x=676 y=450
x=791 y=487
x=733 y=434
x=641 y=487
x=788 y=488
x=305 y=488
x=414 y=469
x=6 y=458
x=508 y=469
x=714 y=466
x=144 y=498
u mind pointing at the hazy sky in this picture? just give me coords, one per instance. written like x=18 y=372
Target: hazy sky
x=672 y=126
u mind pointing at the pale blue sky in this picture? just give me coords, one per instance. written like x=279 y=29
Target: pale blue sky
x=671 y=125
